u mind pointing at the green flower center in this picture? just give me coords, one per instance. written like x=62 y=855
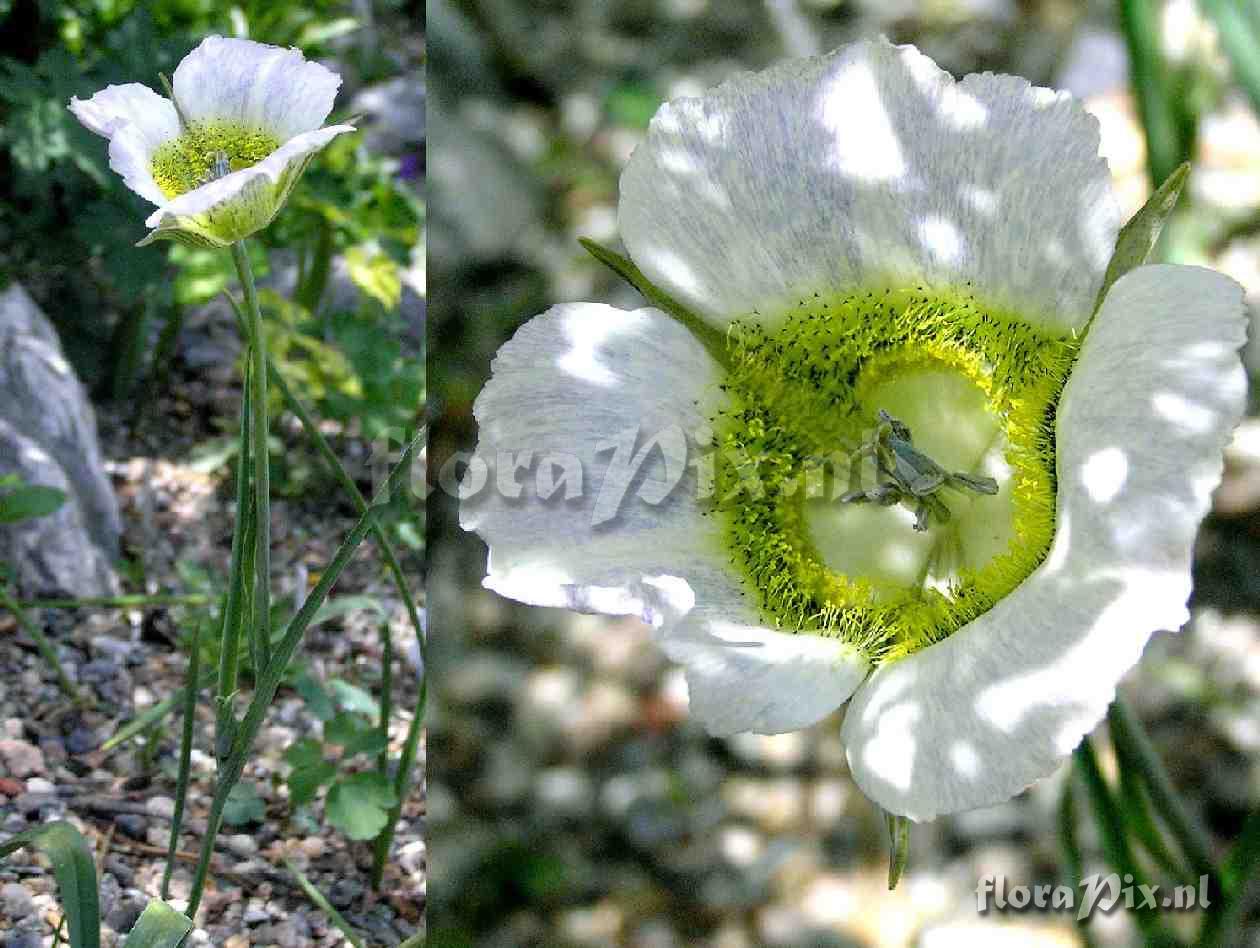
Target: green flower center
x=205 y=150
x=890 y=557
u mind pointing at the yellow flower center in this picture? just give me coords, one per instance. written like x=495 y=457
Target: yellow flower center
x=830 y=546
x=189 y=161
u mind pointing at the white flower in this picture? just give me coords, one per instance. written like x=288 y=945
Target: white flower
x=218 y=161
x=865 y=233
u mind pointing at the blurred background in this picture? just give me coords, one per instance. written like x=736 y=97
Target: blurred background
x=120 y=384
x=575 y=803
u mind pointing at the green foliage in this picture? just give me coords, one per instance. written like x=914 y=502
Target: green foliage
x=358 y=805
x=351 y=727
x=159 y=926
x=244 y=805
x=75 y=873
x=20 y=501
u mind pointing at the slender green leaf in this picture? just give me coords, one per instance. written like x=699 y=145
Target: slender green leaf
x=1153 y=89
x=185 y=756
x=1116 y=844
x=159 y=926
x=1138 y=237
x=75 y=873
x=1240 y=39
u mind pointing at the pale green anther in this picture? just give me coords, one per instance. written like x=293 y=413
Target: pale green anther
x=906 y=475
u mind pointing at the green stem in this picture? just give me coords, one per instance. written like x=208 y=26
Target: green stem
x=185 y=757
x=262 y=475
x=44 y=646
x=119 y=602
x=1240 y=39
x=402 y=786
x=387 y=697
x=347 y=483
x=229 y=649
x=317 y=897
x=268 y=681
x=1114 y=842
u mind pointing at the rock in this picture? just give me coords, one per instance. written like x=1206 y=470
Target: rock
x=16 y=902
x=24 y=938
x=123 y=917
x=82 y=740
x=48 y=437
x=344 y=892
x=21 y=759
x=40 y=785
x=132 y=825
x=160 y=806
x=393 y=114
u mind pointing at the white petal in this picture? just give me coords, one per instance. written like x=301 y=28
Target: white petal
x=245 y=200
x=870 y=165
x=1142 y=425
x=744 y=677
x=266 y=86
x=589 y=385
x=132 y=104
x=136 y=120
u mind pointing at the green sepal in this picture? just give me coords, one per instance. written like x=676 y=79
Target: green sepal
x=898 y=847
x=711 y=338
x=1138 y=237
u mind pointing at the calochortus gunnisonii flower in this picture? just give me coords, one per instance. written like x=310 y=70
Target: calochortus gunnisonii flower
x=221 y=155
x=878 y=444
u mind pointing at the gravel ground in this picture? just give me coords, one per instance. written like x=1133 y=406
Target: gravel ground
x=178 y=524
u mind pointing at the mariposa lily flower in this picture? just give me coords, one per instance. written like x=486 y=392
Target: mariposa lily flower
x=878 y=444
x=220 y=158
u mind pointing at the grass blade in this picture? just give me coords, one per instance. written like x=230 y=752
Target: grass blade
x=1240 y=39
x=159 y=926
x=1157 y=108
x=75 y=873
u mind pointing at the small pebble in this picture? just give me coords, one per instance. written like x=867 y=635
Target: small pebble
x=163 y=807
x=16 y=901
x=20 y=758
x=82 y=740
x=132 y=825
x=40 y=785
x=24 y=938
x=344 y=892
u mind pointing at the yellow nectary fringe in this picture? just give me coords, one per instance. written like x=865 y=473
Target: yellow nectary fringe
x=797 y=392
x=184 y=163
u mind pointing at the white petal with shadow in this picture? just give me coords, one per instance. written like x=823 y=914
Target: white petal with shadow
x=258 y=85
x=136 y=120
x=1022 y=684
x=584 y=385
x=868 y=165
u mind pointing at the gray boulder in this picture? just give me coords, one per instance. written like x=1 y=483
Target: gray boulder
x=48 y=436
